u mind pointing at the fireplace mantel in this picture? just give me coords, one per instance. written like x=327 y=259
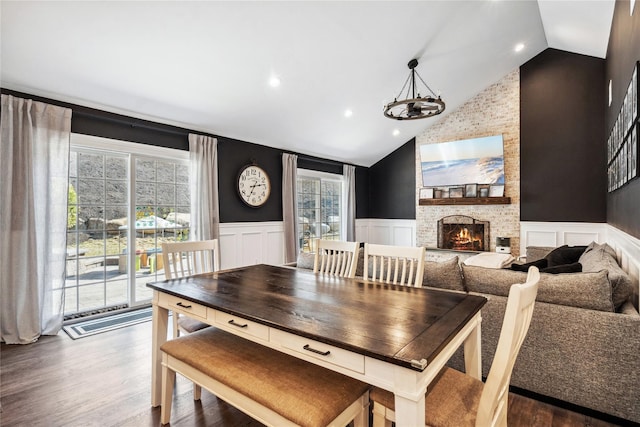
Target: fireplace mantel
x=466 y=201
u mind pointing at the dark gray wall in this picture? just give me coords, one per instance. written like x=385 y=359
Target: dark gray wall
x=392 y=184
x=562 y=156
x=623 y=205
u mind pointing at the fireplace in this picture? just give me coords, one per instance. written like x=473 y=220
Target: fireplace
x=463 y=233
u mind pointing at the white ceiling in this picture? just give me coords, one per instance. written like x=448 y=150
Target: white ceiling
x=206 y=65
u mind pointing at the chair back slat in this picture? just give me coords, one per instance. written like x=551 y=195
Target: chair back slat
x=401 y=265
x=492 y=410
x=183 y=259
x=336 y=258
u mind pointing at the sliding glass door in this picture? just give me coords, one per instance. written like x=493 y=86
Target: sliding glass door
x=320 y=209
x=124 y=201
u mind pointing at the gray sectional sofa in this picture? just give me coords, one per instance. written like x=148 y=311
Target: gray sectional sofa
x=583 y=345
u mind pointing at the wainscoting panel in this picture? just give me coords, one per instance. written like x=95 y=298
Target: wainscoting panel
x=399 y=232
x=251 y=243
x=560 y=233
x=538 y=238
x=572 y=238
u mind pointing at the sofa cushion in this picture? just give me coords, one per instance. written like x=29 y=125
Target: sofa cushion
x=443 y=275
x=584 y=290
x=306 y=260
x=602 y=257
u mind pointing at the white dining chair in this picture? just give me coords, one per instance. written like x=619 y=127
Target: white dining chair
x=401 y=265
x=455 y=399
x=184 y=259
x=336 y=258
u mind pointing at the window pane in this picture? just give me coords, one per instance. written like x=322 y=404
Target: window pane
x=166 y=172
x=145 y=193
x=116 y=167
x=90 y=165
x=145 y=170
x=90 y=191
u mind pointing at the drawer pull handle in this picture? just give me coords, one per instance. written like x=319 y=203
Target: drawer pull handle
x=232 y=322
x=180 y=304
x=320 y=352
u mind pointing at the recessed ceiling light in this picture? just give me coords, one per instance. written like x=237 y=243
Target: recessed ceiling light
x=519 y=47
x=348 y=113
x=274 y=81
x=396 y=132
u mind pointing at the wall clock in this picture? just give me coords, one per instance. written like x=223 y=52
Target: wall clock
x=254 y=186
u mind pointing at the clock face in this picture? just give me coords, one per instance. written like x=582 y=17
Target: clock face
x=254 y=186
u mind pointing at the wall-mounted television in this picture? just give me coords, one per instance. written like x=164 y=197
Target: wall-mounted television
x=477 y=160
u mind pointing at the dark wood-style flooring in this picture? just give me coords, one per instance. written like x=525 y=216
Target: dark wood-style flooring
x=104 y=380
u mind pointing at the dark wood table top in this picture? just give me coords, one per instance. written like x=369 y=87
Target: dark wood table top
x=393 y=323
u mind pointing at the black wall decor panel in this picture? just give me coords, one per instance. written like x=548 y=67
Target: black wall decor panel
x=623 y=204
x=90 y=121
x=562 y=138
x=232 y=156
x=362 y=192
x=392 y=184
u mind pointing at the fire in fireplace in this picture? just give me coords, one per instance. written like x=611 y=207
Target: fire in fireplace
x=463 y=233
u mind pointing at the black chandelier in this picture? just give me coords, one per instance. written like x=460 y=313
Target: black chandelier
x=414 y=107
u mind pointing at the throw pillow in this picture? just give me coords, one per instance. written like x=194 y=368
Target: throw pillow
x=306 y=260
x=602 y=257
x=443 y=275
x=585 y=290
x=535 y=253
x=564 y=255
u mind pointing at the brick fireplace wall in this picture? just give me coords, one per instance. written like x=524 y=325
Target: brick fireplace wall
x=495 y=110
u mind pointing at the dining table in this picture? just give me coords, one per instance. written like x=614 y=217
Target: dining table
x=390 y=336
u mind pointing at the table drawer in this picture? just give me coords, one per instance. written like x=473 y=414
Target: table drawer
x=181 y=305
x=239 y=325
x=318 y=350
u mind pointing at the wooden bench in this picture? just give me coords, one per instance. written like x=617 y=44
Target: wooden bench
x=272 y=387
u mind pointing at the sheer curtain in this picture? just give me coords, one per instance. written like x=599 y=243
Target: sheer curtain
x=205 y=213
x=34 y=160
x=290 y=206
x=349 y=173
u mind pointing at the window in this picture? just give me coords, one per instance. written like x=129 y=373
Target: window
x=320 y=207
x=113 y=185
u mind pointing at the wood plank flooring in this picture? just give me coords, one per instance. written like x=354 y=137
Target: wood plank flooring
x=104 y=380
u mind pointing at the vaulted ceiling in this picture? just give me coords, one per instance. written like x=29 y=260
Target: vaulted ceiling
x=207 y=66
